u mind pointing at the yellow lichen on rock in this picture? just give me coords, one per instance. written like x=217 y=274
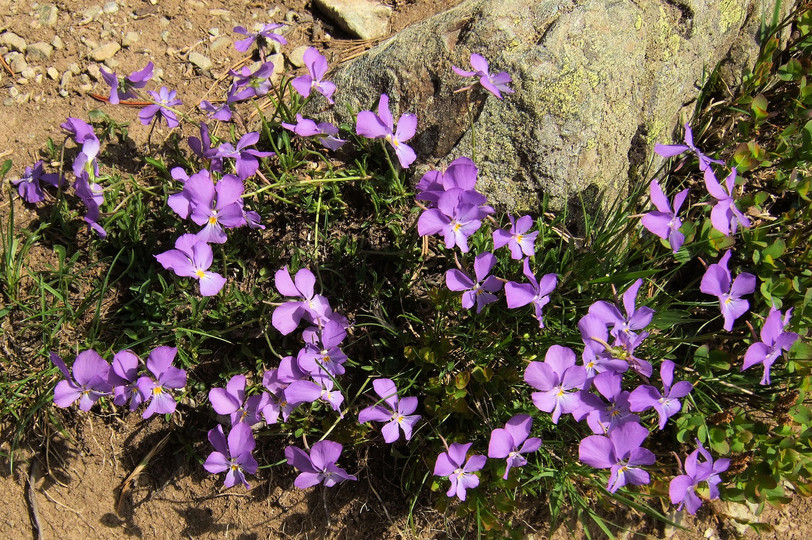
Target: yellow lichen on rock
x=731 y=14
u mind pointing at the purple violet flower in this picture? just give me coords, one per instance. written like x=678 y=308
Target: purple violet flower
x=321 y=354
x=233 y=455
x=203 y=147
x=603 y=417
x=155 y=391
x=558 y=380
x=381 y=126
x=320 y=388
x=460 y=173
x=636 y=318
x=670 y=150
x=275 y=383
x=213 y=207
x=92 y=195
x=233 y=402
x=682 y=489
x=164 y=99
x=664 y=222
x=192 y=257
x=83 y=134
x=246 y=159
x=313 y=308
x=123 y=379
x=222 y=113
x=621 y=452
x=597 y=355
x=717 y=281
x=88 y=383
x=536 y=292
x=28 y=186
x=493 y=83
x=460 y=472
x=668 y=403
x=304 y=127
x=505 y=442
x=254 y=84
x=481 y=292
x=458 y=215
x=774 y=340
x=516 y=238
x=397 y=413
x=123 y=88
x=320 y=466
x=259 y=37
x=317 y=67
x=725 y=216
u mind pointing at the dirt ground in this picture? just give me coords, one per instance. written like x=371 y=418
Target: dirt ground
x=79 y=484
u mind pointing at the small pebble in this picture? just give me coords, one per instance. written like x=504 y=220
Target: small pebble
x=28 y=73
x=214 y=31
x=219 y=43
x=130 y=38
x=296 y=56
x=110 y=7
x=201 y=61
x=94 y=71
x=52 y=73
x=92 y=13
x=13 y=41
x=104 y=52
x=57 y=43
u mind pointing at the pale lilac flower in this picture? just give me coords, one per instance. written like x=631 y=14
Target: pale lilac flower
x=516 y=238
x=558 y=380
x=536 y=292
x=481 y=292
x=636 y=318
x=88 y=383
x=682 y=489
x=246 y=158
x=83 y=134
x=156 y=391
x=621 y=452
x=668 y=403
x=460 y=173
x=124 y=377
x=460 y=472
x=312 y=308
x=233 y=455
x=316 y=67
x=28 y=186
x=321 y=354
x=664 y=221
x=275 y=383
x=320 y=466
x=232 y=401
x=222 y=113
x=248 y=84
x=670 y=150
x=774 y=340
x=725 y=216
x=164 y=100
x=717 y=281
x=92 y=196
x=493 y=83
x=597 y=355
x=381 y=126
x=304 y=127
x=123 y=88
x=511 y=442
x=259 y=37
x=215 y=208
x=458 y=215
x=320 y=388
x=397 y=413
x=192 y=257
x=602 y=417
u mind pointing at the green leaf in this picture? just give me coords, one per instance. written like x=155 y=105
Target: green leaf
x=791 y=71
x=5 y=168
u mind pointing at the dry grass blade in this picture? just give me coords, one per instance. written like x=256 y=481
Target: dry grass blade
x=33 y=507
x=140 y=467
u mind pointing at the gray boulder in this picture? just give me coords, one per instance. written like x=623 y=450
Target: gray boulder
x=597 y=83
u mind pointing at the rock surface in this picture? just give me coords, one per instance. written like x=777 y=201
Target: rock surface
x=597 y=84
x=362 y=18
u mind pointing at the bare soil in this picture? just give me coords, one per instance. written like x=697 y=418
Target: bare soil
x=79 y=484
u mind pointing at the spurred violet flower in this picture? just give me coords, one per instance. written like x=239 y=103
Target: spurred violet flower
x=664 y=222
x=233 y=402
x=87 y=384
x=636 y=318
x=603 y=417
x=92 y=195
x=321 y=354
x=233 y=455
x=505 y=442
x=321 y=387
x=320 y=466
x=725 y=216
x=304 y=127
x=222 y=113
x=397 y=412
x=670 y=150
x=481 y=292
x=493 y=83
x=621 y=452
x=164 y=99
x=213 y=207
x=28 y=186
x=459 y=471
x=774 y=340
x=516 y=238
x=83 y=134
x=192 y=257
x=312 y=308
x=460 y=173
x=666 y=404
x=123 y=88
x=558 y=380
x=597 y=355
x=246 y=158
x=717 y=281
x=248 y=84
x=124 y=377
x=156 y=391
x=260 y=37
x=682 y=489
x=536 y=292
x=317 y=67
x=458 y=215
x=381 y=126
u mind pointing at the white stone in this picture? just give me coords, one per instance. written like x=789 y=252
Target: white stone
x=13 y=41
x=104 y=52
x=361 y=18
